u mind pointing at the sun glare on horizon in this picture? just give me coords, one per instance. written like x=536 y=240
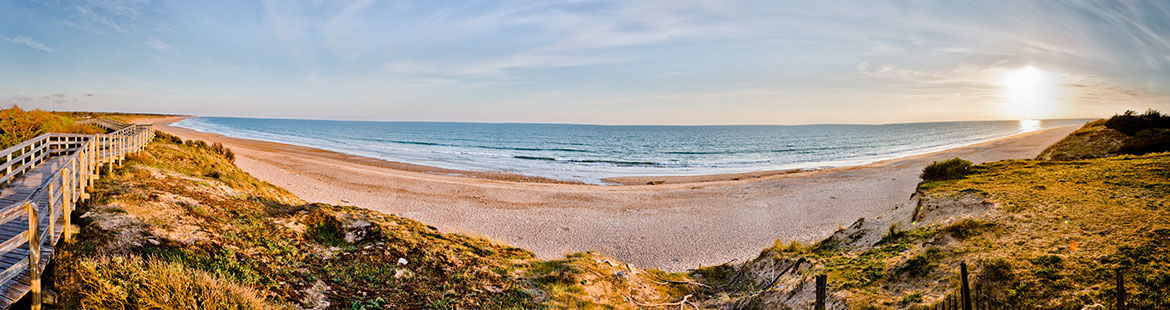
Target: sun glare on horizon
x=1030 y=93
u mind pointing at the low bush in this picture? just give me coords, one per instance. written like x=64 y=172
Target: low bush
x=968 y=228
x=923 y=264
x=954 y=168
x=166 y=137
x=1130 y=123
x=1151 y=140
x=17 y=125
x=214 y=147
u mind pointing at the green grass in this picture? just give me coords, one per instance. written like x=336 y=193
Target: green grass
x=1067 y=225
x=950 y=169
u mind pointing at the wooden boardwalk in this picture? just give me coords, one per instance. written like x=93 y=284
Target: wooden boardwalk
x=13 y=195
x=42 y=179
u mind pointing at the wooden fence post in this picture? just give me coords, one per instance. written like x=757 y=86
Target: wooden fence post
x=34 y=255
x=821 y=283
x=965 y=290
x=1121 y=290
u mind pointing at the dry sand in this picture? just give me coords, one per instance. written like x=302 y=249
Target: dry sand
x=684 y=223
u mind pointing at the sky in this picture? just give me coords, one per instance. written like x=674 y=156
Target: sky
x=596 y=62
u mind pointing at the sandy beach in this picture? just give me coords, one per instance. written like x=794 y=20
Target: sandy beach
x=682 y=223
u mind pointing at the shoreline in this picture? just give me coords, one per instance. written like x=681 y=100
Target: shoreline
x=677 y=225
x=612 y=181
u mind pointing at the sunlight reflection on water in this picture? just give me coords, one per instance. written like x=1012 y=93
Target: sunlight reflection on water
x=1027 y=125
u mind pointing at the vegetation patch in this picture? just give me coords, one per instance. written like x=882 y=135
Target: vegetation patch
x=185 y=206
x=951 y=169
x=968 y=228
x=130 y=282
x=18 y=125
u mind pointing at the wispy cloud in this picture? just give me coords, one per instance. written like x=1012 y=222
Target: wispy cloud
x=22 y=40
x=157 y=44
x=726 y=61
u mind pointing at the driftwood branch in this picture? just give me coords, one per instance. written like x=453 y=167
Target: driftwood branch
x=757 y=293
x=681 y=303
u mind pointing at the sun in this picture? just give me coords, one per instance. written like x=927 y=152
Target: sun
x=1030 y=93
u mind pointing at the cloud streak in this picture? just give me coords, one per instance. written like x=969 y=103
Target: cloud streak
x=681 y=61
x=22 y=40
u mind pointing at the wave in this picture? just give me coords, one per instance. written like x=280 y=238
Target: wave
x=419 y=143
x=534 y=158
x=528 y=149
x=488 y=147
x=617 y=162
x=649 y=151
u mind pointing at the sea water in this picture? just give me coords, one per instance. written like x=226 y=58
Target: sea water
x=591 y=153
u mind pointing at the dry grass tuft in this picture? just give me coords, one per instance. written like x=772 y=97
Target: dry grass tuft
x=131 y=282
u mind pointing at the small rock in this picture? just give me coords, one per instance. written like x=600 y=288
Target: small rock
x=621 y=274
x=402 y=261
x=153 y=241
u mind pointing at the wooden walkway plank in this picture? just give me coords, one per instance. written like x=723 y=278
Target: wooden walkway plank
x=43 y=180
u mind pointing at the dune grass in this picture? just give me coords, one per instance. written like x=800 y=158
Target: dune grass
x=130 y=282
x=950 y=169
x=1067 y=226
x=183 y=206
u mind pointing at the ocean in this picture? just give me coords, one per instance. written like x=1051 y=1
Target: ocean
x=590 y=153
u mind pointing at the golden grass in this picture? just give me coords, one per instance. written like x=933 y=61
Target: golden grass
x=185 y=204
x=1088 y=214
x=130 y=282
x=1093 y=140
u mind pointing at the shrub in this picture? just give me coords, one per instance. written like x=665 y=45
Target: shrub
x=954 y=168
x=1147 y=141
x=1047 y=266
x=1130 y=123
x=892 y=234
x=166 y=137
x=996 y=270
x=923 y=264
x=968 y=228
x=915 y=298
x=217 y=147
x=226 y=152
x=17 y=125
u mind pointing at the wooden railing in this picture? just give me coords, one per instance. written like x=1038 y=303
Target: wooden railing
x=54 y=198
x=104 y=122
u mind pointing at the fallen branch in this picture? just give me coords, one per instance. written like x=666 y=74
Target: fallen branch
x=753 y=295
x=681 y=303
x=737 y=275
x=682 y=283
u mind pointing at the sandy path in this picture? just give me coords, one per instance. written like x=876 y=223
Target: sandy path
x=672 y=226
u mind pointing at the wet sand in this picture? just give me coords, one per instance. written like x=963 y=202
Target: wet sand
x=682 y=223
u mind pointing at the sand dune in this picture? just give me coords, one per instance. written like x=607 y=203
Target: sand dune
x=683 y=223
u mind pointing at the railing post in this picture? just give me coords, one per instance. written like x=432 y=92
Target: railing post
x=52 y=193
x=34 y=255
x=66 y=208
x=110 y=152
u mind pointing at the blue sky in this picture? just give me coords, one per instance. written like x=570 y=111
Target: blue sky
x=609 y=62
